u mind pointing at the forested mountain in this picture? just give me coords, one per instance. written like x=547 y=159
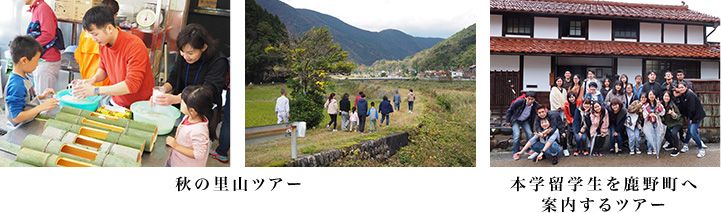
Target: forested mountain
x=364 y=47
x=261 y=30
x=455 y=52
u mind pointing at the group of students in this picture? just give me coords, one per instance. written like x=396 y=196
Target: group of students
x=580 y=112
x=121 y=60
x=357 y=119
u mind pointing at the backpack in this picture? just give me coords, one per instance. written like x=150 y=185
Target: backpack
x=58 y=42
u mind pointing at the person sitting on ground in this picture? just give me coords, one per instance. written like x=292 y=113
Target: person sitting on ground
x=618 y=120
x=673 y=121
x=556 y=124
x=22 y=103
x=386 y=110
x=545 y=146
x=522 y=114
x=372 y=116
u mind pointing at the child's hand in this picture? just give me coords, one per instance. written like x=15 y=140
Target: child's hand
x=48 y=104
x=46 y=93
x=170 y=141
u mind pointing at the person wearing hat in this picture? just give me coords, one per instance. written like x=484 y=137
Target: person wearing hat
x=282 y=108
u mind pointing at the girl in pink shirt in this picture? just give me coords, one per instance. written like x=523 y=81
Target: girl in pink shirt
x=193 y=136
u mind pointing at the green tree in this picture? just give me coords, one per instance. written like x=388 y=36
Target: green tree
x=261 y=30
x=308 y=59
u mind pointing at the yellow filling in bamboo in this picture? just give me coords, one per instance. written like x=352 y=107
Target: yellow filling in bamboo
x=71 y=163
x=82 y=140
x=92 y=132
x=90 y=155
x=98 y=124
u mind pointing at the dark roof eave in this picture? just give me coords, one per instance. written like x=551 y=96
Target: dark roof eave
x=609 y=55
x=677 y=21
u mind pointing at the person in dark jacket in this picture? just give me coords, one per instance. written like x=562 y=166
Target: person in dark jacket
x=556 y=126
x=617 y=124
x=362 y=112
x=694 y=112
x=386 y=109
x=201 y=64
x=522 y=114
x=673 y=121
x=397 y=100
x=580 y=127
x=652 y=84
x=344 y=111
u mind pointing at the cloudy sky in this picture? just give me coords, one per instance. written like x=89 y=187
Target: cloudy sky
x=417 y=18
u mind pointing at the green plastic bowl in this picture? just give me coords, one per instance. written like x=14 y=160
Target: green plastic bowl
x=162 y=116
x=91 y=105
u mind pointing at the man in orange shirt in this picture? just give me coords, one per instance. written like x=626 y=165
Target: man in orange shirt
x=123 y=59
x=87 y=54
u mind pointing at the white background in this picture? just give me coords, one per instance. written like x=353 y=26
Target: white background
x=479 y=189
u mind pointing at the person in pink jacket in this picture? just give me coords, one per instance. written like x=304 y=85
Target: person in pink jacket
x=599 y=127
x=192 y=139
x=44 y=28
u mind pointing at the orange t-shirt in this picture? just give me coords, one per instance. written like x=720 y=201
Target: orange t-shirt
x=88 y=57
x=128 y=61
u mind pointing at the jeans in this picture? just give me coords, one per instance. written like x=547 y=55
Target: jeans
x=516 y=127
x=333 y=120
x=581 y=141
x=361 y=123
x=693 y=132
x=397 y=105
x=672 y=136
x=633 y=138
x=553 y=150
x=372 y=126
x=386 y=118
x=616 y=140
x=224 y=138
x=410 y=106
x=344 y=120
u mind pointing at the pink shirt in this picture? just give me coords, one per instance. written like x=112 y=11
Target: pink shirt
x=41 y=12
x=194 y=136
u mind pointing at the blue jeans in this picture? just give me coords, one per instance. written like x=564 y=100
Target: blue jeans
x=554 y=150
x=397 y=105
x=581 y=141
x=386 y=118
x=616 y=139
x=516 y=127
x=410 y=106
x=693 y=132
x=633 y=137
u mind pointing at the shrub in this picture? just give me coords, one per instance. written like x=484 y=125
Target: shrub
x=308 y=108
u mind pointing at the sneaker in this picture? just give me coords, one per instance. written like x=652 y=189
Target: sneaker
x=218 y=157
x=533 y=156
x=565 y=153
x=595 y=154
x=327 y=126
x=684 y=149
x=585 y=153
x=335 y=130
x=631 y=152
x=638 y=151
x=516 y=157
x=674 y=153
x=575 y=153
x=666 y=144
x=701 y=153
x=668 y=148
x=703 y=145
x=554 y=160
x=600 y=154
x=654 y=152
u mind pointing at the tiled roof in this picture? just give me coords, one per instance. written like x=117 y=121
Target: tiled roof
x=584 y=47
x=603 y=8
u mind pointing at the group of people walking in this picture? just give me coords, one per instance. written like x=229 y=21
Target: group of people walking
x=352 y=118
x=583 y=115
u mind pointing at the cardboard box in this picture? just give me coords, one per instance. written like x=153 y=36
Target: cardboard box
x=82 y=6
x=65 y=9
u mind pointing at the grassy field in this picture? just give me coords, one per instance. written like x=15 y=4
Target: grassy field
x=446 y=136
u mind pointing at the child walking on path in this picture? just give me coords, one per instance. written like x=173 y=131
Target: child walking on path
x=353 y=120
x=191 y=142
x=373 y=116
x=386 y=110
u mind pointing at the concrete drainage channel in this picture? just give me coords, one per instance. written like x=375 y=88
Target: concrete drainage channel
x=379 y=150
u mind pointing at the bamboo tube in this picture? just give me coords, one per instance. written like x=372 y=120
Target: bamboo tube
x=62 y=149
x=37 y=158
x=93 y=144
x=122 y=122
x=4 y=162
x=149 y=137
x=105 y=135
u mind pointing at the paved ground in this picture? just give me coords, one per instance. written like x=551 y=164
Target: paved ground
x=689 y=159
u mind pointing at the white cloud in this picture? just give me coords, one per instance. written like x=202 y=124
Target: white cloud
x=417 y=18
